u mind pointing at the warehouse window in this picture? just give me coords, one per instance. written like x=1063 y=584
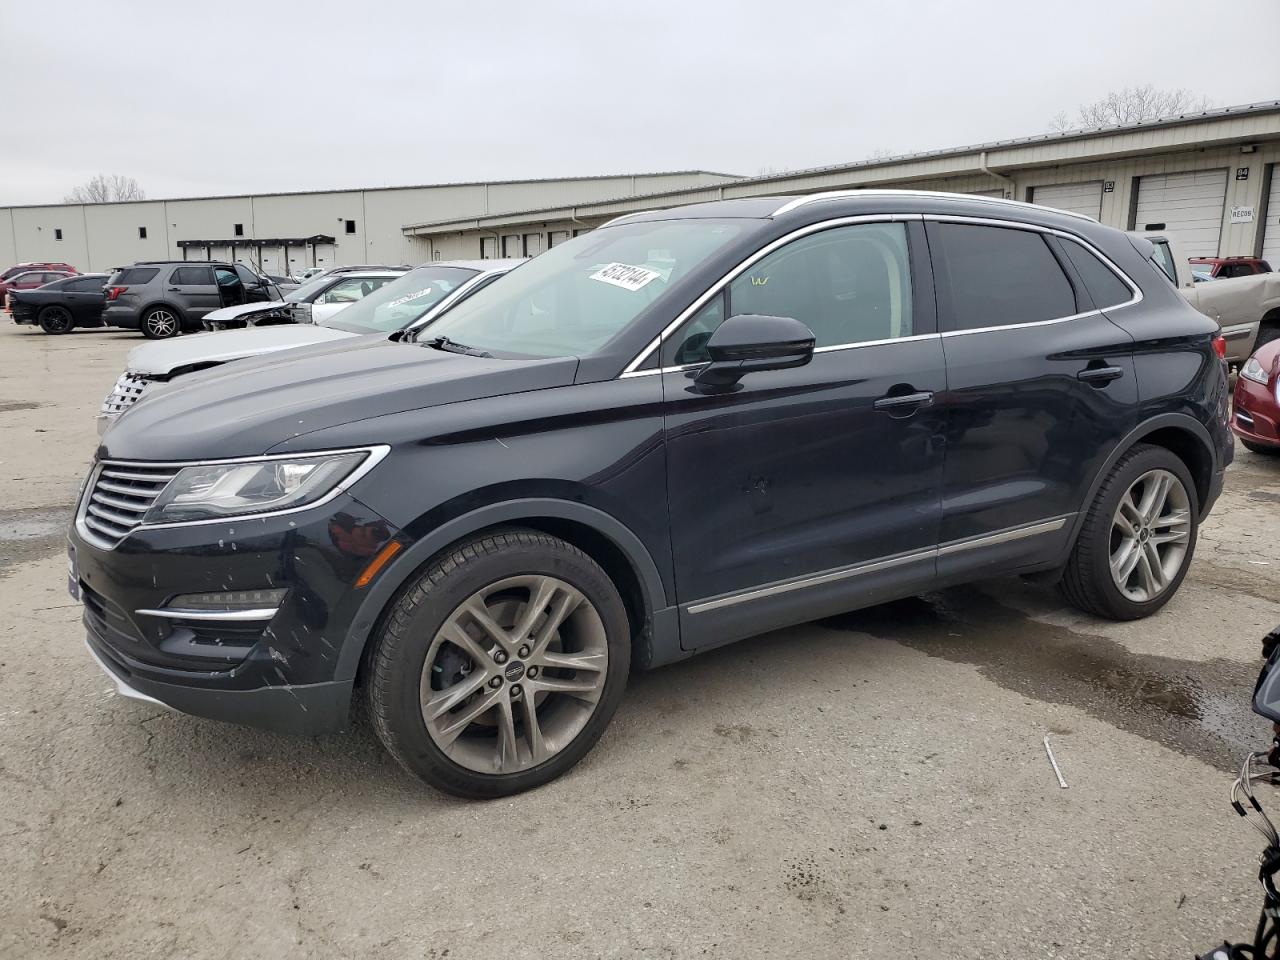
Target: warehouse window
x=351 y=226
x=57 y=234
x=142 y=233
x=239 y=229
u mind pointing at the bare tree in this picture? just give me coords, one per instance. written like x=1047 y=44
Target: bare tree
x=106 y=188
x=1131 y=105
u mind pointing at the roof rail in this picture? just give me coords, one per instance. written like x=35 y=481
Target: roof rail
x=795 y=202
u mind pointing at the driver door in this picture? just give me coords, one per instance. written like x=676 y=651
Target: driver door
x=816 y=489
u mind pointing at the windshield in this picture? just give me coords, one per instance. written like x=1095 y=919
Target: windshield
x=395 y=305
x=578 y=295
x=308 y=291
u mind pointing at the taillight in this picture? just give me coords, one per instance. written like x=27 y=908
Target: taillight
x=113 y=293
x=1220 y=347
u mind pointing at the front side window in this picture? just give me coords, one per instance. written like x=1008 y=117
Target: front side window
x=848 y=285
x=997 y=276
x=401 y=301
x=226 y=278
x=578 y=296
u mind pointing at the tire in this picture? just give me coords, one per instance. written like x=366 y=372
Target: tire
x=1088 y=582
x=1266 y=451
x=160 y=323
x=55 y=320
x=480 y=686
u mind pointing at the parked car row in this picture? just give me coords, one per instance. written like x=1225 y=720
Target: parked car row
x=684 y=428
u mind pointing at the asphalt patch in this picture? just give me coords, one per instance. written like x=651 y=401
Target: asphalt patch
x=1198 y=708
x=8 y=406
x=31 y=533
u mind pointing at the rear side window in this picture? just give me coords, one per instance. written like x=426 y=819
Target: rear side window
x=192 y=276
x=85 y=285
x=1163 y=258
x=136 y=275
x=1103 y=285
x=999 y=276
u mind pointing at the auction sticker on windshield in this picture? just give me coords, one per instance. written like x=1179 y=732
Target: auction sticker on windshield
x=625 y=276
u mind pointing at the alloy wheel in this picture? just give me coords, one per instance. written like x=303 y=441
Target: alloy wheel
x=162 y=323
x=55 y=320
x=514 y=674
x=1150 y=532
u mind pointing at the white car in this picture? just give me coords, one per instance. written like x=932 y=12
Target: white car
x=312 y=302
x=407 y=301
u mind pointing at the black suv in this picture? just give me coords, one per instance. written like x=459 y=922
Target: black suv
x=162 y=298
x=684 y=428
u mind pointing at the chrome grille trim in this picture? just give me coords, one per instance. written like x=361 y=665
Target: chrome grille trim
x=116 y=499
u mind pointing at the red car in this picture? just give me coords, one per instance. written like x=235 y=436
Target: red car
x=18 y=268
x=1257 y=401
x=1223 y=268
x=30 y=279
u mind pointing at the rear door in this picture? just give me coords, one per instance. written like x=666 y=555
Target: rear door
x=84 y=298
x=813 y=489
x=1040 y=389
x=192 y=290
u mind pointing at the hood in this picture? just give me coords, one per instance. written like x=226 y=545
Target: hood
x=230 y=313
x=163 y=357
x=246 y=408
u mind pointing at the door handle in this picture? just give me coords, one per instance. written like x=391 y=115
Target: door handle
x=897 y=403
x=175 y=289
x=1099 y=376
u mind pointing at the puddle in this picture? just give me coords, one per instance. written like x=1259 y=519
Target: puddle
x=1199 y=708
x=7 y=406
x=1264 y=496
x=31 y=534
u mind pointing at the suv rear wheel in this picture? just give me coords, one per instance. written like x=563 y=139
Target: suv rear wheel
x=499 y=668
x=160 y=323
x=1138 y=537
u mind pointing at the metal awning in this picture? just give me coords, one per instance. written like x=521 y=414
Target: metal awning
x=252 y=242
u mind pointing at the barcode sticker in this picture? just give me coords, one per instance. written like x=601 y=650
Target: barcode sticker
x=625 y=276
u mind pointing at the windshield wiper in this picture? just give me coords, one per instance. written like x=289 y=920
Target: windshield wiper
x=452 y=346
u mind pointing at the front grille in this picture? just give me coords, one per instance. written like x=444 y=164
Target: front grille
x=127 y=391
x=120 y=497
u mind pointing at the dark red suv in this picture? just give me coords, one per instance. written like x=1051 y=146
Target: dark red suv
x=1223 y=268
x=18 y=268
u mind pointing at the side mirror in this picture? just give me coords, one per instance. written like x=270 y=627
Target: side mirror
x=751 y=342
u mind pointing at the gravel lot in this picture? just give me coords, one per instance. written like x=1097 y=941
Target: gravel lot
x=872 y=785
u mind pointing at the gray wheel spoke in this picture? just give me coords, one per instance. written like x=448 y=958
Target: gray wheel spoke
x=1128 y=517
x=508 y=756
x=480 y=616
x=582 y=689
x=1153 y=497
x=451 y=728
x=1124 y=560
x=533 y=731
x=566 y=601
x=593 y=662
x=447 y=699
x=455 y=634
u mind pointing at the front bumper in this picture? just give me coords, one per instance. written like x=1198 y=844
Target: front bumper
x=280 y=673
x=1255 y=412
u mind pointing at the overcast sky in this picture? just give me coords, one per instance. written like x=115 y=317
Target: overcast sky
x=253 y=97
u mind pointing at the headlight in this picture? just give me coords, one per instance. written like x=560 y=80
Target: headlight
x=1252 y=370
x=218 y=490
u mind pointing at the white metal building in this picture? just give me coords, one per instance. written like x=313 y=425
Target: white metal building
x=1209 y=179
x=286 y=232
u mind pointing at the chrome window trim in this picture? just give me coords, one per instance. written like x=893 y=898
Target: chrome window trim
x=631 y=369
x=376 y=454
x=1008 y=535
x=795 y=202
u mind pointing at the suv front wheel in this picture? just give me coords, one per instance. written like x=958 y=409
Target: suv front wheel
x=500 y=666
x=160 y=323
x=1137 y=539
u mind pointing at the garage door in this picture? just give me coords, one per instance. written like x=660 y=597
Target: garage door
x=1271 y=229
x=1083 y=198
x=1186 y=206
